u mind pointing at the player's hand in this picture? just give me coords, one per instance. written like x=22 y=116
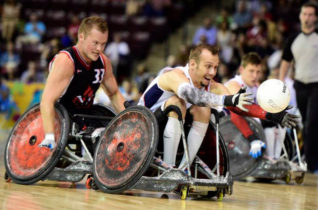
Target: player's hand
x=97 y=132
x=256 y=148
x=289 y=120
x=48 y=141
x=239 y=100
x=284 y=118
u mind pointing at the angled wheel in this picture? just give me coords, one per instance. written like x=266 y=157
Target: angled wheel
x=125 y=149
x=207 y=151
x=241 y=163
x=25 y=161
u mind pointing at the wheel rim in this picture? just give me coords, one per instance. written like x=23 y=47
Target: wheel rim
x=25 y=160
x=125 y=150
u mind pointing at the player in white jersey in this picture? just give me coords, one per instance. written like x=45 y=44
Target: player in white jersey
x=190 y=86
x=249 y=75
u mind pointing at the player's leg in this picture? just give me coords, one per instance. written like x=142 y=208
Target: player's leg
x=280 y=137
x=201 y=118
x=270 y=142
x=172 y=130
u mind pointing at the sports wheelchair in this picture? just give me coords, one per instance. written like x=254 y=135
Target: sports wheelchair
x=124 y=156
x=289 y=167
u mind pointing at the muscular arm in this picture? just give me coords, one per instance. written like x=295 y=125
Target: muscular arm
x=57 y=81
x=233 y=87
x=110 y=86
x=175 y=81
x=283 y=70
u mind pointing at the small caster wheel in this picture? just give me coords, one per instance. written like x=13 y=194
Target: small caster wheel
x=6 y=177
x=300 y=179
x=184 y=192
x=90 y=183
x=288 y=178
x=220 y=196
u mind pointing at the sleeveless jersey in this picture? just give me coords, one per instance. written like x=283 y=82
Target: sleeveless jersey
x=80 y=93
x=155 y=97
x=252 y=90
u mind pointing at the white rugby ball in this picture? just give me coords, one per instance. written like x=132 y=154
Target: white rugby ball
x=273 y=95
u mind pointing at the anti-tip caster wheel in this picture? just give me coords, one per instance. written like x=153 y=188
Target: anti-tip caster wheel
x=184 y=192
x=220 y=196
x=6 y=177
x=288 y=178
x=300 y=179
x=90 y=183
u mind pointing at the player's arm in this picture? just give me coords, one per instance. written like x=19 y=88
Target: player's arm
x=287 y=58
x=61 y=72
x=110 y=86
x=220 y=89
x=177 y=82
x=233 y=87
x=283 y=70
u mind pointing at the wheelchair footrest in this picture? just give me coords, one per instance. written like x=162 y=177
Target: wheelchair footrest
x=268 y=170
x=72 y=173
x=172 y=179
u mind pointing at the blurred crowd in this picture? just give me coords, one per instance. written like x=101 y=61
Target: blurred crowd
x=28 y=44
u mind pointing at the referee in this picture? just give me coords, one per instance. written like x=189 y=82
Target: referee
x=302 y=48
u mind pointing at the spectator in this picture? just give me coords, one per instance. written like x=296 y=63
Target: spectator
x=129 y=90
x=32 y=74
x=10 y=18
x=155 y=8
x=4 y=96
x=224 y=39
x=207 y=30
x=48 y=51
x=33 y=31
x=73 y=28
x=118 y=52
x=224 y=16
x=9 y=61
x=242 y=17
x=133 y=7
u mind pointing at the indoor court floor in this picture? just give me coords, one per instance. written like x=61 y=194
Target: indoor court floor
x=246 y=195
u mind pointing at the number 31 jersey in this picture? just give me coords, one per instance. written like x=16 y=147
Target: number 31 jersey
x=80 y=93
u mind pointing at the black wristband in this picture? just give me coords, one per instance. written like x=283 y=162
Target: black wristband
x=228 y=100
x=275 y=117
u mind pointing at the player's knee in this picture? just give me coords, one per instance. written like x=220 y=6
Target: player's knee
x=201 y=114
x=176 y=101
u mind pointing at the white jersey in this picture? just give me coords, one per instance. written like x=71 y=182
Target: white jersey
x=252 y=90
x=155 y=97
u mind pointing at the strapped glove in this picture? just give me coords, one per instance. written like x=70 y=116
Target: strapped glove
x=48 y=141
x=284 y=118
x=256 y=148
x=239 y=100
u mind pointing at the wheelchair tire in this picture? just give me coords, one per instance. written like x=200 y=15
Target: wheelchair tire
x=25 y=162
x=125 y=150
x=241 y=163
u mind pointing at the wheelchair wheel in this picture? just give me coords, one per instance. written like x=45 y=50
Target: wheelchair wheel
x=25 y=162
x=125 y=149
x=241 y=163
x=207 y=151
